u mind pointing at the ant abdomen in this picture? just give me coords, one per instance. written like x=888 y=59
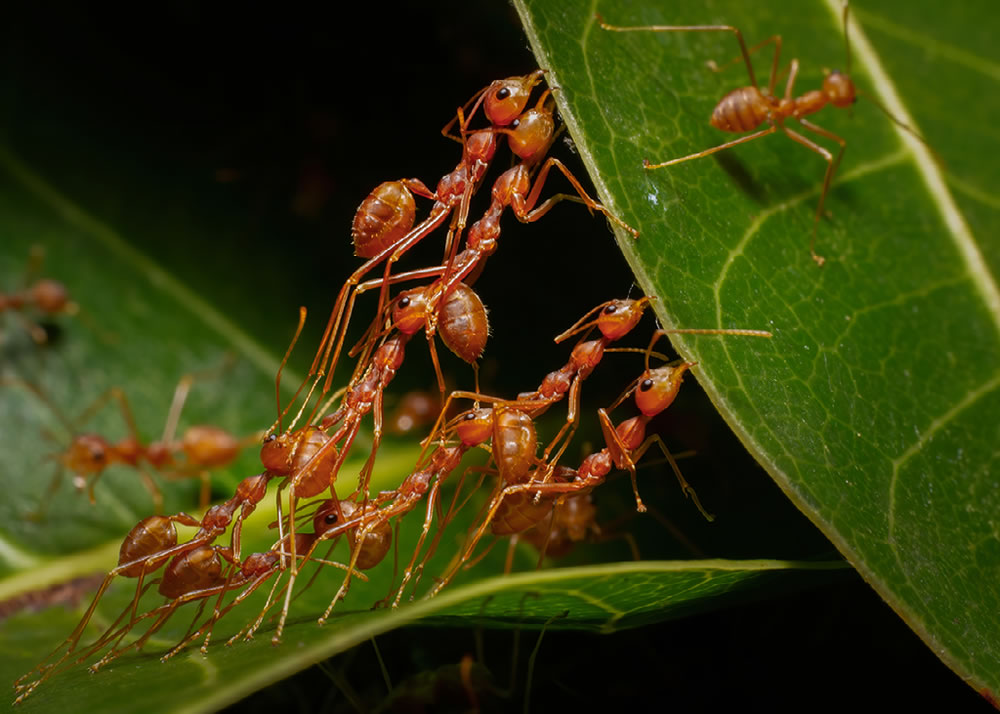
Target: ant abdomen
x=463 y=324
x=741 y=110
x=383 y=218
x=149 y=536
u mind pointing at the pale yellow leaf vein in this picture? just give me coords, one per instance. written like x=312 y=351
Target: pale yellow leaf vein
x=927 y=167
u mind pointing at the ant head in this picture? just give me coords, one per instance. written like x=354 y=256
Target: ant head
x=276 y=452
x=409 y=312
x=505 y=99
x=326 y=517
x=87 y=454
x=839 y=89
x=618 y=317
x=475 y=426
x=658 y=387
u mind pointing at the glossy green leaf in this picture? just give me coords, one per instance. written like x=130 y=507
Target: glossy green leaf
x=136 y=316
x=875 y=407
x=141 y=330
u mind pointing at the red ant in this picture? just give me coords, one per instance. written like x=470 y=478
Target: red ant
x=529 y=138
x=367 y=525
x=383 y=225
x=47 y=296
x=615 y=319
x=196 y=572
x=88 y=455
x=746 y=108
x=310 y=470
x=522 y=504
x=150 y=545
x=201 y=582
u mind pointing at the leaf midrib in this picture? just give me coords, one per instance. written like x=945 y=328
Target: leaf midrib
x=927 y=167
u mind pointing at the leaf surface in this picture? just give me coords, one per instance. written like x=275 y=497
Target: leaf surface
x=875 y=405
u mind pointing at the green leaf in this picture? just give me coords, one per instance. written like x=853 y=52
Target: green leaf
x=875 y=405
x=136 y=316
x=118 y=236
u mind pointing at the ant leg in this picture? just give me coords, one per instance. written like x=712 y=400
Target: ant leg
x=43 y=506
x=620 y=454
x=205 y=490
x=793 y=73
x=437 y=363
x=772 y=79
x=831 y=167
x=526 y=212
x=181 y=392
x=685 y=486
x=432 y=498
x=369 y=467
x=149 y=483
x=333 y=334
x=698 y=28
x=708 y=152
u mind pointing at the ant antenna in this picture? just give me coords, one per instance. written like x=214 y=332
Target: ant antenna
x=277 y=379
x=905 y=127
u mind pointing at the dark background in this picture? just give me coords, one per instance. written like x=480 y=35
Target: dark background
x=267 y=128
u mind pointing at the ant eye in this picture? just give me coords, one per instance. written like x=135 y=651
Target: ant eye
x=503 y=93
x=646 y=385
x=330 y=519
x=469 y=417
x=404 y=302
x=610 y=309
x=269 y=438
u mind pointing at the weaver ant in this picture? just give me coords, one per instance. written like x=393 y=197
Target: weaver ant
x=309 y=470
x=196 y=571
x=522 y=504
x=746 y=108
x=249 y=575
x=383 y=225
x=529 y=138
x=46 y=296
x=150 y=545
x=383 y=228
x=204 y=447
